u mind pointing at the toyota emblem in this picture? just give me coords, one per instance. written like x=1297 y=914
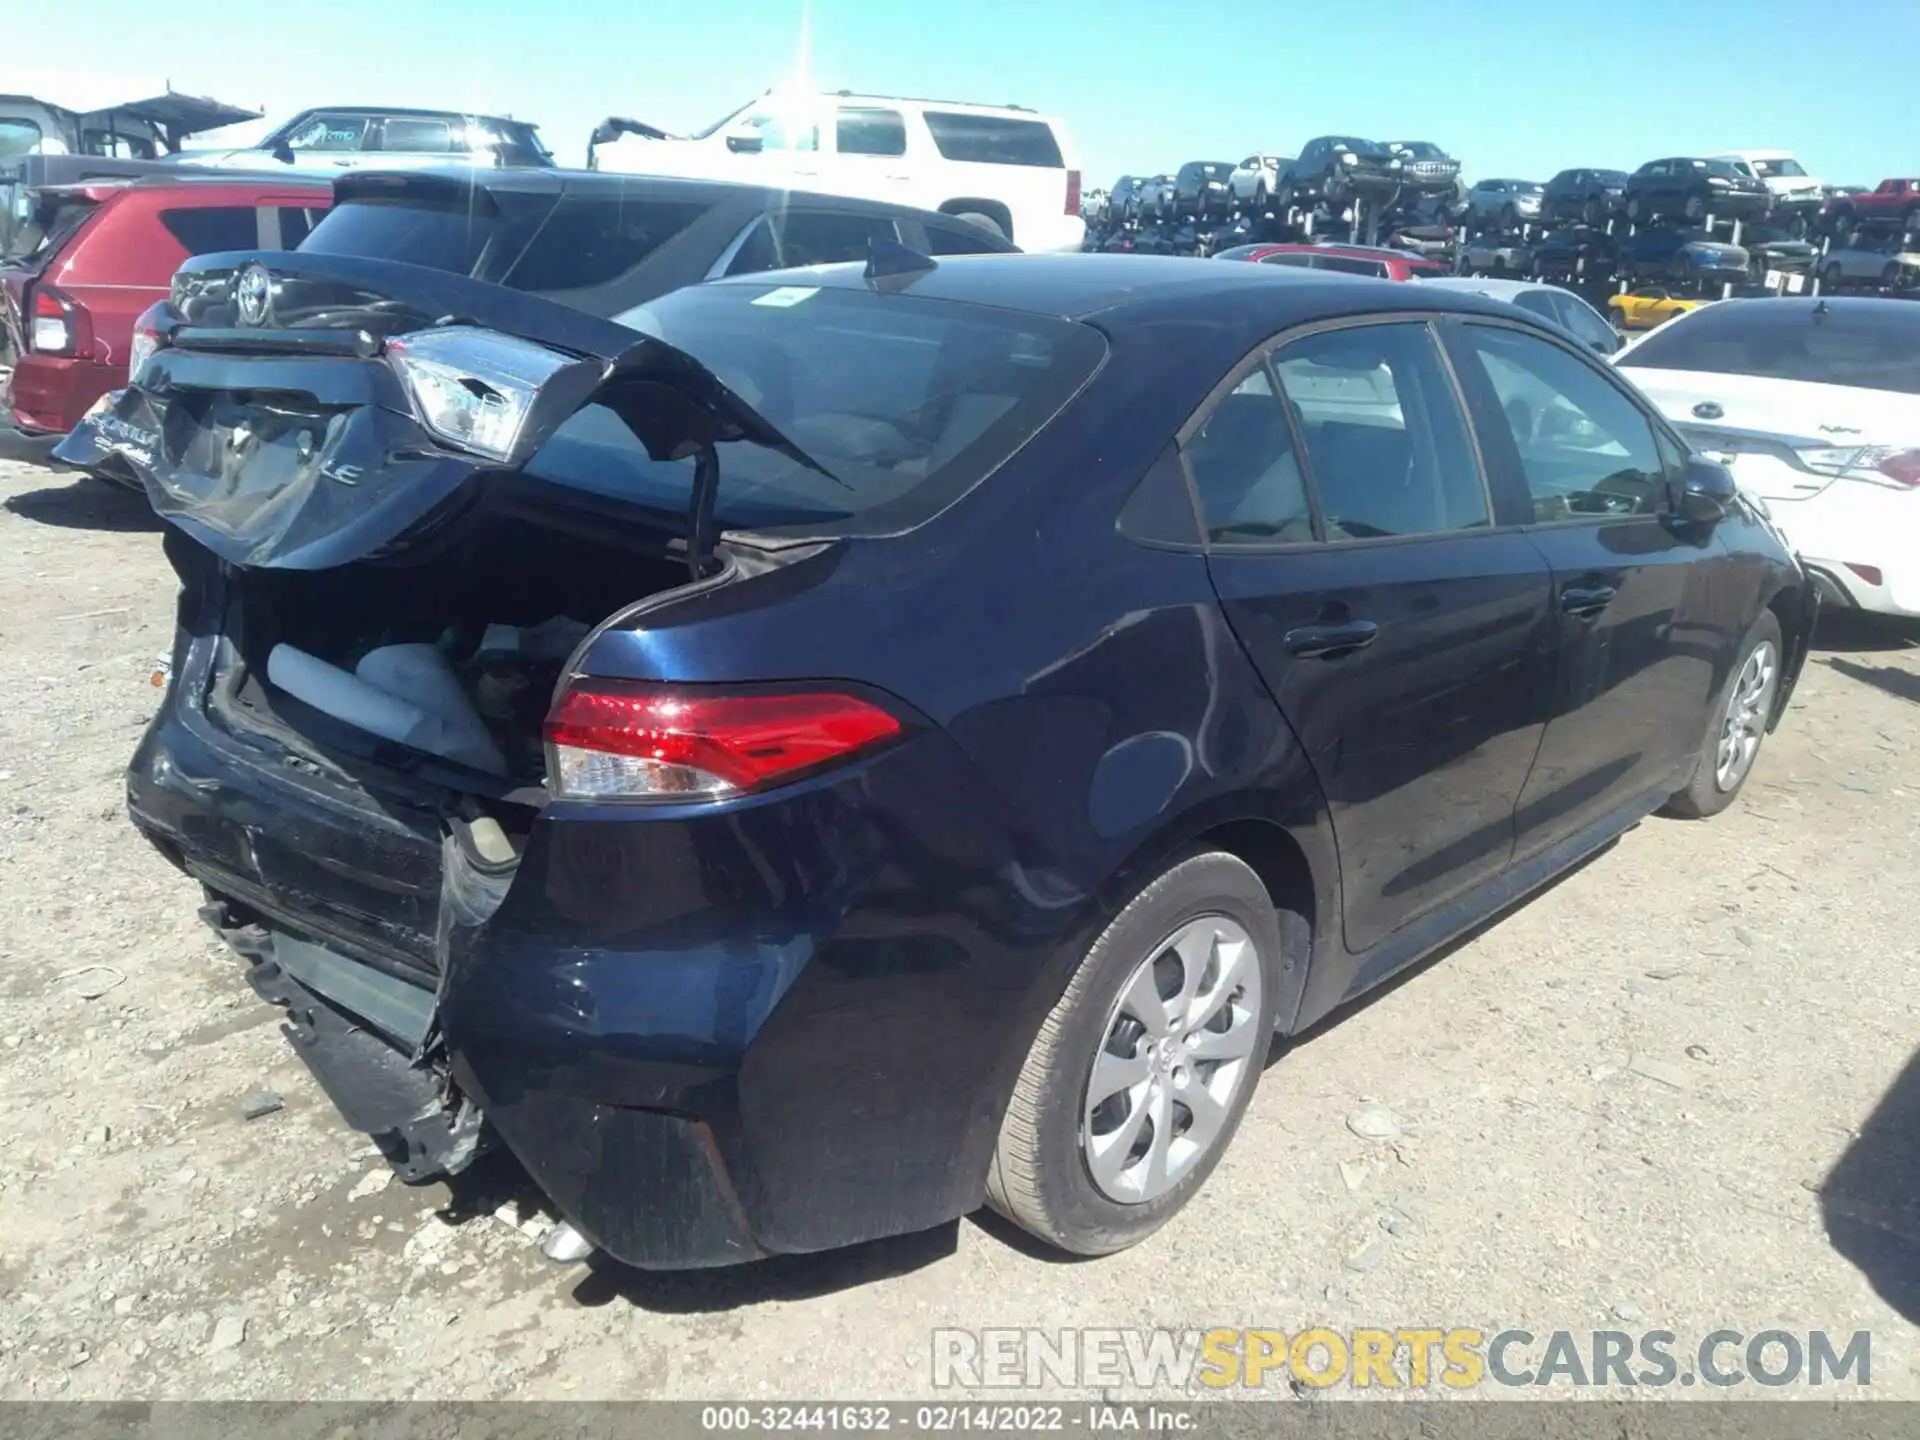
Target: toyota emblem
x=253 y=293
x=1708 y=410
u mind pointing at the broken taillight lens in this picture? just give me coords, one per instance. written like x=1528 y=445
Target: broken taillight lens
x=1902 y=467
x=628 y=741
x=473 y=388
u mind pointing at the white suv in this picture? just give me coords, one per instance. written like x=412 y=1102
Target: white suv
x=1781 y=172
x=999 y=165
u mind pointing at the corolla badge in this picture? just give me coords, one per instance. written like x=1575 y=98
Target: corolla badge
x=253 y=294
x=1708 y=410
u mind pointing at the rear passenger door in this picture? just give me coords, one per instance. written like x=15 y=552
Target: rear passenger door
x=1407 y=641
x=1584 y=472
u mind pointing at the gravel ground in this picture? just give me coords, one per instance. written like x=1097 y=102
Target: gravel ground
x=1621 y=1106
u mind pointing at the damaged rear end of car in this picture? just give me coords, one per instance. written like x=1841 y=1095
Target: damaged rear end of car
x=473 y=742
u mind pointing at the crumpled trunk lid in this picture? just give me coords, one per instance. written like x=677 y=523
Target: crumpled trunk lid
x=274 y=428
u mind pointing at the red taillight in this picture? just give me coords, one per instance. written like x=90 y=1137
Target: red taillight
x=57 y=324
x=1903 y=468
x=1073 y=192
x=1869 y=573
x=632 y=741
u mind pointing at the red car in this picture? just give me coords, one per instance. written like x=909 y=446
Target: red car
x=1889 y=200
x=96 y=254
x=1374 y=260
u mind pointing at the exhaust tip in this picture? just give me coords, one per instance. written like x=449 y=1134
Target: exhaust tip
x=565 y=1245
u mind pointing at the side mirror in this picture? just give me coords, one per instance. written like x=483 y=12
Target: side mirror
x=745 y=144
x=1707 y=492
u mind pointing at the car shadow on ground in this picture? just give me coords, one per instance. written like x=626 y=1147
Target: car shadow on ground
x=1870 y=1200
x=1859 y=630
x=86 y=504
x=1903 y=684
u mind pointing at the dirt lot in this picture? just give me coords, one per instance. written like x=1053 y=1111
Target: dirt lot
x=1622 y=1106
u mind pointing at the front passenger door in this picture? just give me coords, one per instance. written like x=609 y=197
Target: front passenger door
x=1407 y=642
x=1576 y=465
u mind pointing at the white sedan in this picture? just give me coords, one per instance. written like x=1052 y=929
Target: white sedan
x=1815 y=407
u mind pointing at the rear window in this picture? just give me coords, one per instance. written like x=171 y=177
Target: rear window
x=444 y=236
x=214 y=228
x=50 y=226
x=1871 y=345
x=526 y=242
x=994 y=139
x=905 y=402
x=18 y=137
x=590 y=242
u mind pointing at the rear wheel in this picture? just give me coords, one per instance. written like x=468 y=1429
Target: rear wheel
x=1634 y=214
x=1694 y=208
x=1736 y=727
x=1141 y=1072
x=1592 y=212
x=1830 y=277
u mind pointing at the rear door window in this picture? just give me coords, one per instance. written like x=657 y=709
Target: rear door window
x=960 y=238
x=863 y=131
x=994 y=139
x=213 y=228
x=1388 y=450
x=1245 y=469
x=419 y=135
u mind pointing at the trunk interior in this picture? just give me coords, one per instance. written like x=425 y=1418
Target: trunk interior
x=491 y=608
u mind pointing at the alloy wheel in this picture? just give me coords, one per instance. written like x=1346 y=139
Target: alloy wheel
x=1175 y=1050
x=1745 y=722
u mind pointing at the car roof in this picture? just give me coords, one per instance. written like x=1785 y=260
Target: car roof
x=409 y=111
x=1081 y=286
x=968 y=106
x=551 y=180
x=1484 y=285
x=1351 y=252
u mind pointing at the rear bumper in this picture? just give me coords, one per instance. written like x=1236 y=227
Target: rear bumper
x=1050 y=233
x=49 y=393
x=710 y=1035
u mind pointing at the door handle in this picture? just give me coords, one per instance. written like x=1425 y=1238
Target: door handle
x=1330 y=642
x=1586 y=600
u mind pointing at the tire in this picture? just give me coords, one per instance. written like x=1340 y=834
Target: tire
x=1261 y=199
x=1634 y=216
x=1742 y=706
x=985 y=222
x=1830 y=278
x=1510 y=219
x=1694 y=208
x=1592 y=212
x=1043 y=1176
x=1890 y=278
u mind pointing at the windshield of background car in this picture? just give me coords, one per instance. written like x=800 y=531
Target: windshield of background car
x=906 y=402
x=1528 y=187
x=1726 y=169
x=1874 y=347
x=1423 y=150
x=1778 y=169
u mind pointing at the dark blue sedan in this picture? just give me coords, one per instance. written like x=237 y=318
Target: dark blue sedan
x=825 y=750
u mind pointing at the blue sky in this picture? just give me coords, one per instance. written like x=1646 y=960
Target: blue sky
x=1511 y=88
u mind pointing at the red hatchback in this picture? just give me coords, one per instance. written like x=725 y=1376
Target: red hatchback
x=98 y=253
x=1374 y=260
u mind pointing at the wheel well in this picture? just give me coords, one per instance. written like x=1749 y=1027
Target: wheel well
x=1273 y=855
x=1787 y=610
x=992 y=209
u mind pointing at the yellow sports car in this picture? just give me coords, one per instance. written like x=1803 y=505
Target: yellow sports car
x=1644 y=309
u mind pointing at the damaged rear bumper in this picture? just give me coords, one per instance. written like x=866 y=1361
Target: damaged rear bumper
x=363 y=1034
